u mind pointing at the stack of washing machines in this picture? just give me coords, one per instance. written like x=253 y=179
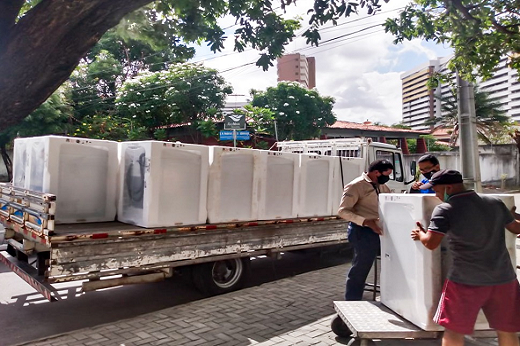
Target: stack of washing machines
x=161 y=184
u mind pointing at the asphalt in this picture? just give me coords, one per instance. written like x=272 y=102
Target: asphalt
x=292 y=311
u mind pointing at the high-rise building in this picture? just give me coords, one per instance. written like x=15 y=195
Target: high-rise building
x=504 y=88
x=421 y=104
x=297 y=68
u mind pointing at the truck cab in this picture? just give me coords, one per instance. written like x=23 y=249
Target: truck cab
x=355 y=148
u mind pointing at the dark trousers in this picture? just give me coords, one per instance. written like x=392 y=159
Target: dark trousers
x=366 y=248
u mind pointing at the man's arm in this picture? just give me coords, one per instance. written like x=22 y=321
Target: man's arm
x=346 y=209
x=514 y=227
x=431 y=240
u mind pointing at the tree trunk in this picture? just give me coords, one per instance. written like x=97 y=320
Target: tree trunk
x=7 y=162
x=39 y=52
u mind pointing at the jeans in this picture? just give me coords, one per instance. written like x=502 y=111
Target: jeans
x=366 y=246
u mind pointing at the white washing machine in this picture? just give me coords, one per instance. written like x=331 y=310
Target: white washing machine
x=412 y=276
x=162 y=184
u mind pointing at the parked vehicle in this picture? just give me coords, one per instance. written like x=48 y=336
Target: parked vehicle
x=362 y=148
x=107 y=254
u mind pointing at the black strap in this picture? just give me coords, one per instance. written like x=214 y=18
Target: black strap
x=376 y=188
x=341 y=169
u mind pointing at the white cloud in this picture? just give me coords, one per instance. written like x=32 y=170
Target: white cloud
x=360 y=70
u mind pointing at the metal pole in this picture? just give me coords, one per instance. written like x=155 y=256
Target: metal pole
x=275 y=131
x=469 y=157
x=234 y=138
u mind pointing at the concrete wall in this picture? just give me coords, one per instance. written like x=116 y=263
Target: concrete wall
x=495 y=161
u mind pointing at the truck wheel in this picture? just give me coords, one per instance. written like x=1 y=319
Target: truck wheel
x=219 y=277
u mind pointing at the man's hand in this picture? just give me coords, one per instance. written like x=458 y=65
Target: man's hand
x=515 y=214
x=416 y=185
x=373 y=224
x=416 y=233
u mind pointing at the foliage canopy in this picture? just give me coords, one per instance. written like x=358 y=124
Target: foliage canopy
x=299 y=113
x=481 y=32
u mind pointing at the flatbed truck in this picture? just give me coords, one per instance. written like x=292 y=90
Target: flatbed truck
x=110 y=254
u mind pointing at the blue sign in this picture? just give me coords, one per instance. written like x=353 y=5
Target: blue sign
x=228 y=135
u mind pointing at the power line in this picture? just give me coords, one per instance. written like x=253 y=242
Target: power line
x=86 y=105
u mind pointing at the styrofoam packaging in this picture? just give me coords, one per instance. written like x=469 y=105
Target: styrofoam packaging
x=352 y=167
x=234 y=179
x=81 y=172
x=20 y=158
x=316 y=190
x=162 y=184
x=411 y=275
x=278 y=190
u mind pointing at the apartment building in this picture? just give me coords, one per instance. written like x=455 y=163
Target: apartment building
x=420 y=104
x=297 y=68
x=504 y=88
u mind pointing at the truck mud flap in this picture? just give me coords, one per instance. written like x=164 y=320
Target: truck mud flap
x=29 y=274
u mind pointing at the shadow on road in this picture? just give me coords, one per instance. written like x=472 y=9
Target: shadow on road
x=76 y=310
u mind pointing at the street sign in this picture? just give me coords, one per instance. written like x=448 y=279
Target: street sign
x=235 y=122
x=228 y=135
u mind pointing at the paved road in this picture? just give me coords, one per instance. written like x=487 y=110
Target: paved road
x=21 y=306
x=291 y=311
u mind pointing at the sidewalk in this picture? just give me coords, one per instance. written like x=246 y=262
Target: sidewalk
x=292 y=311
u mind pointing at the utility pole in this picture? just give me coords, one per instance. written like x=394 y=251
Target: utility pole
x=469 y=157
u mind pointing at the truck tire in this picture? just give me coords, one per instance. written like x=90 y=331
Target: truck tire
x=219 y=277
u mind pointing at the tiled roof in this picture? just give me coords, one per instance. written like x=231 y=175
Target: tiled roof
x=369 y=127
x=442 y=131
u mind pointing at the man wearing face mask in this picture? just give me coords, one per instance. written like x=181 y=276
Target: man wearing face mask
x=428 y=166
x=359 y=205
x=481 y=275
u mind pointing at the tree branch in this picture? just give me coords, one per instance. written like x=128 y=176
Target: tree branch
x=503 y=29
x=9 y=11
x=463 y=10
x=46 y=45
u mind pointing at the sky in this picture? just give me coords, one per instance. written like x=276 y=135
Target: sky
x=360 y=71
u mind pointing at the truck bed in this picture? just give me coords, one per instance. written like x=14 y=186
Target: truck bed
x=95 y=251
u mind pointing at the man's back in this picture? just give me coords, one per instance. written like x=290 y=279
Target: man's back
x=475 y=226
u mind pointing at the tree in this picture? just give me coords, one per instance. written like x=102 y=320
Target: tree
x=140 y=42
x=183 y=94
x=52 y=117
x=299 y=113
x=42 y=42
x=492 y=121
x=480 y=32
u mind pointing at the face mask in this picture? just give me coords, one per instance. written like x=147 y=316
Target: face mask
x=446 y=196
x=429 y=174
x=382 y=179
